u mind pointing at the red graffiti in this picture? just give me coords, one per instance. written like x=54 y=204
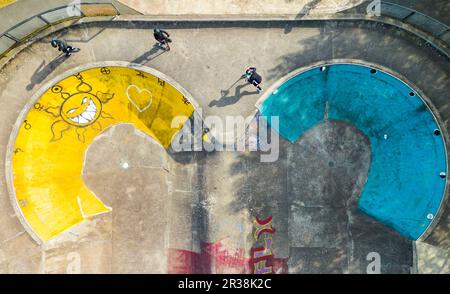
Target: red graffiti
x=220 y=259
x=212 y=258
x=262 y=257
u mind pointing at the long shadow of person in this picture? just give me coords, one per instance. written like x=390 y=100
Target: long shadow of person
x=43 y=71
x=226 y=100
x=149 y=55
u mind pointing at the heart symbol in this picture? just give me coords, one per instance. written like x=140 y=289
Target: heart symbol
x=141 y=98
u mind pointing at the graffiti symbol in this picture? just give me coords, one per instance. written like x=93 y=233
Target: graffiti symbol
x=226 y=260
x=56 y=89
x=141 y=98
x=263 y=226
x=23 y=202
x=17 y=150
x=27 y=125
x=262 y=256
x=185 y=101
x=38 y=106
x=141 y=74
x=105 y=70
x=79 y=76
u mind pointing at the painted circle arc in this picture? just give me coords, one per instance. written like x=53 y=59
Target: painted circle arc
x=404 y=187
x=47 y=156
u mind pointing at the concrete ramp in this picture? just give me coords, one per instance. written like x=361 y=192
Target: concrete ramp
x=407 y=175
x=53 y=134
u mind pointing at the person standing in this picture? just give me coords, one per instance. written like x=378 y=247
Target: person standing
x=253 y=77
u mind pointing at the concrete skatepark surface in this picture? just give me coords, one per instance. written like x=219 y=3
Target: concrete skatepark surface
x=169 y=206
x=240 y=7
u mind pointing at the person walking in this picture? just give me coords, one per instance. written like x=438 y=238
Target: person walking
x=253 y=77
x=162 y=37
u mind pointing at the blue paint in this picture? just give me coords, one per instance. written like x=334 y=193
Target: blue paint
x=403 y=185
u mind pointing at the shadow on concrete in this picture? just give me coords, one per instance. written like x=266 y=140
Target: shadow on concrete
x=332 y=43
x=186 y=24
x=149 y=55
x=307 y=8
x=303 y=12
x=199 y=216
x=440 y=235
x=317 y=224
x=364 y=47
x=43 y=71
x=89 y=33
x=314 y=48
x=226 y=100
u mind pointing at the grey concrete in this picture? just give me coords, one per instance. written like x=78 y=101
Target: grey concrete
x=22 y=10
x=312 y=193
x=138 y=195
x=432 y=260
x=438 y=9
x=215 y=196
x=240 y=7
x=427 y=19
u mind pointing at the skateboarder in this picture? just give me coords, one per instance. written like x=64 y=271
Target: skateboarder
x=162 y=37
x=253 y=77
x=63 y=46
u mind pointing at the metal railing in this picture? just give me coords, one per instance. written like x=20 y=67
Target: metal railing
x=425 y=23
x=24 y=30
x=32 y=26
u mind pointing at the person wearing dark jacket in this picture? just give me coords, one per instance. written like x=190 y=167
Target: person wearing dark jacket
x=162 y=37
x=253 y=77
x=62 y=46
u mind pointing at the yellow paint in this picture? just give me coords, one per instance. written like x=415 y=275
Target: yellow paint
x=51 y=143
x=6 y=2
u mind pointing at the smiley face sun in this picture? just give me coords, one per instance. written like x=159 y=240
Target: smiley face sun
x=78 y=111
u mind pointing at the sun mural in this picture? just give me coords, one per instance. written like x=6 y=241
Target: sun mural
x=49 y=149
x=78 y=111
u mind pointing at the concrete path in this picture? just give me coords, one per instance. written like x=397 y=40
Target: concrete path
x=21 y=10
x=207 y=59
x=240 y=7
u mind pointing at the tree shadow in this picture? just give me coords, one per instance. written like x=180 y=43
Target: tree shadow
x=150 y=55
x=307 y=8
x=336 y=41
x=314 y=48
x=440 y=235
x=90 y=31
x=314 y=223
x=226 y=100
x=43 y=71
x=288 y=26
